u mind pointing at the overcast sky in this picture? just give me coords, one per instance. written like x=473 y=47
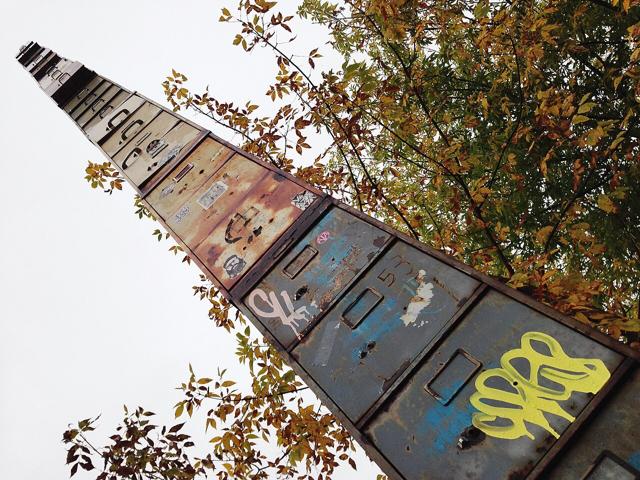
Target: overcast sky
x=95 y=313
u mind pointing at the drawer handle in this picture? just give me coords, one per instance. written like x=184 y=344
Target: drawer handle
x=181 y=174
x=137 y=123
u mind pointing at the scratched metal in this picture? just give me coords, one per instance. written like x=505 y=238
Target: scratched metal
x=385 y=320
x=613 y=428
x=100 y=131
x=93 y=102
x=133 y=125
x=186 y=178
x=429 y=437
x=315 y=271
x=82 y=94
x=150 y=149
x=104 y=109
x=214 y=200
x=252 y=226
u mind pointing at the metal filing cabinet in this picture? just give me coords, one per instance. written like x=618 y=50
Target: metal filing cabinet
x=254 y=223
x=187 y=177
x=80 y=97
x=608 y=446
x=150 y=149
x=99 y=132
x=307 y=280
x=381 y=325
x=427 y=428
x=105 y=106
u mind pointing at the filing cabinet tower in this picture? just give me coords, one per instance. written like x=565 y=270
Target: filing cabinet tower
x=437 y=370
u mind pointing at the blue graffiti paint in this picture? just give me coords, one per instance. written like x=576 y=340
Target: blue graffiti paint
x=634 y=460
x=444 y=425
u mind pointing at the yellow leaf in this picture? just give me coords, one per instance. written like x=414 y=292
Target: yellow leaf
x=606 y=204
x=586 y=107
x=579 y=119
x=543 y=234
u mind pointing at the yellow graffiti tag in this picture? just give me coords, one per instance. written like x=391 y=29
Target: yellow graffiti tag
x=529 y=401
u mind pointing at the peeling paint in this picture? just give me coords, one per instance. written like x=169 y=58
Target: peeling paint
x=420 y=300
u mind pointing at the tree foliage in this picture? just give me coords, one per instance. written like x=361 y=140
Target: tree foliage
x=504 y=133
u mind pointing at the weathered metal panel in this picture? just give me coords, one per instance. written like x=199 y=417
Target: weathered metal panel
x=252 y=226
x=187 y=177
x=146 y=152
x=115 y=119
x=219 y=196
x=316 y=270
x=611 y=434
x=49 y=75
x=28 y=52
x=104 y=109
x=44 y=65
x=82 y=94
x=39 y=57
x=71 y=78
x=518 y=365
x=380 y=326
x=87 y=104
x=122 y=135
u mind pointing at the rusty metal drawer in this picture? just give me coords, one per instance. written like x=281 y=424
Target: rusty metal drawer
x=254 y=223
x=381 y=325
x=493 y=397
x=114 y=120
x=608 y=445
x=188 y=177
x=314 y=272
x=219 y=196
x=150 y=150
x=79 y=97
x=105 y=108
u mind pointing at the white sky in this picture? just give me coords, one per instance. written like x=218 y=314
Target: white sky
x=94 y=312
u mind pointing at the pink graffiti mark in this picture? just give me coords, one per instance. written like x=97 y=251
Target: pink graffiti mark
x=323 y=237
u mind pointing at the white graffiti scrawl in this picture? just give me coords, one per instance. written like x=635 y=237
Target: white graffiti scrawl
x=419 y=301
x=290 y=319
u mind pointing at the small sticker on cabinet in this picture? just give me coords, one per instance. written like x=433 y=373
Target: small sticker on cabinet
x=182 y=213
x=303 y=199
x=214 y=193
x=234 y=265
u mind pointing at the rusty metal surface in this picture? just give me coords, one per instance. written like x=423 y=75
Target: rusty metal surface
x=399 y=362
x=430 y=436
x=306 y=281
x=194 y=217
x=385 y=320
x=254 y=223
x=187 y=177
x=114 y=120
x=614 y=429
x=156 y=144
